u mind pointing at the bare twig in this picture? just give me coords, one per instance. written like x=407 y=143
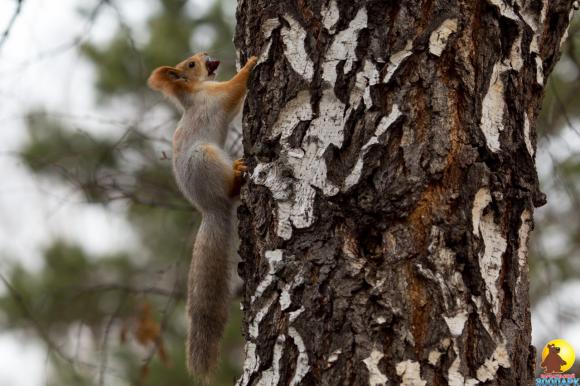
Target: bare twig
x=6 y=32
x=105 y=342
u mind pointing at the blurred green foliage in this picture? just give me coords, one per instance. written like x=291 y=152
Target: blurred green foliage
x=98 y=298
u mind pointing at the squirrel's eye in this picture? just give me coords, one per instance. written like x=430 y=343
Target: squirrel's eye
x=191 y=64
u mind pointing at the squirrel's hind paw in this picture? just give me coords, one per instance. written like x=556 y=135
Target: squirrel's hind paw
x=240 y=166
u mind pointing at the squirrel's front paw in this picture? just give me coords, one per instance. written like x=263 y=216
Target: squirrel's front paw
x=251 y=63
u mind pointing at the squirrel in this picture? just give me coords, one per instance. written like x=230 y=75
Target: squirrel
x=211 y=181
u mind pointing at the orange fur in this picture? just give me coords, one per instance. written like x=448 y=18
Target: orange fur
x=239 y=168
x=236 y=179
x=169 y=80
x=235 y=88
x=181 y=80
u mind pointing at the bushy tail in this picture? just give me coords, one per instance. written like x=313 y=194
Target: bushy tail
x=209 y=295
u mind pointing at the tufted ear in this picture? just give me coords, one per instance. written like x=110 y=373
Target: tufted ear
x=173 y=74
x=162 y=75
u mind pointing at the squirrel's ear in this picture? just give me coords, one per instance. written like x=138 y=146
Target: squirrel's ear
x=173 y=74
x=161 y=75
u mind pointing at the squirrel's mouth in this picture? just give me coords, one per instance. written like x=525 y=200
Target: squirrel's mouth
x=211 y=66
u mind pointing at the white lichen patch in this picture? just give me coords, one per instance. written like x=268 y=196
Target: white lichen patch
x=253 y=328
x=505 y=9
x=295 y=314
x=488 y=370
x=434 y=357
x=285 y=299
x=534 y=46
x=334 y=356
x=570 y=17
x=330 y=16
x=490 y=260
x=484 y=319
x=252 y=360
x=494 y=104
x=454 y=376
x=381 y=320
x=539 y=71
x=270 y=176
x=527 y=133
x=295 y=194
x=544 y=11
x=271 y=376
x=376 y=377
x=523 y=237
x=438 y=38
x=251 y=364
x=515 y=60
x=343 y=47
x=325 y=130
x=294 y=38
x=354 y=176
x=492 y=109
x=480 y=202
x=367 y=77
x=495 y=244
x=238 y=63
x=302 y=366
x=274 y=258
x=302 y=215
x=410 y=373
x=456 y=323
x=396 y=59
x=532 y=17
x=535 y=21
x=298 y=212
x=267 y=27
x=295 y=111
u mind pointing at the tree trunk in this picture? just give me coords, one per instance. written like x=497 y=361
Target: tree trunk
x=385 y=223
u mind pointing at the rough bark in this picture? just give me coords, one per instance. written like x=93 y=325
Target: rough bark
x=385 y=223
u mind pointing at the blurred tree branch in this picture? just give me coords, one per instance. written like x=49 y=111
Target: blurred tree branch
x=6 y=32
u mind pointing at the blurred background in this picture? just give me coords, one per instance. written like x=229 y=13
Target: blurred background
x=95 y=239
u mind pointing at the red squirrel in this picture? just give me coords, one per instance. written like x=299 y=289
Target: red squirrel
x=209 y=179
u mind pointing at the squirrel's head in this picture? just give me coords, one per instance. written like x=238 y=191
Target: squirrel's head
x=198 y=68
x=177 y=82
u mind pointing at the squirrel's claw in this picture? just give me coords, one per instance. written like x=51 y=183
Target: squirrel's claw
x=240 y=166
